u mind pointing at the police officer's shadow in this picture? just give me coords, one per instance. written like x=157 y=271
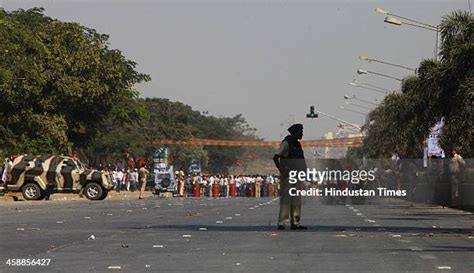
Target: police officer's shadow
x=312 y=228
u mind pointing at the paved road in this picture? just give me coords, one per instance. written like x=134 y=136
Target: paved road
x=163 y=235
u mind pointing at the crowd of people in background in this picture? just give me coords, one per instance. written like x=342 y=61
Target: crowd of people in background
x=246 y=185
x=128 y=179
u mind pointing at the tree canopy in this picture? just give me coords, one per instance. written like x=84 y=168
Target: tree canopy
x=58 y=82
x=444 y=88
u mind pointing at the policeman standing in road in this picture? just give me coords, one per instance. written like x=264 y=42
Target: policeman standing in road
x=290 y=157
x=142 y=176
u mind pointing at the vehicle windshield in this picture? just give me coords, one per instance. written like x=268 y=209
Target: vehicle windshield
x=81 y=166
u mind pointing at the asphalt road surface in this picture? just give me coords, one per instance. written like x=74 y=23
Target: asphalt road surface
x=233 y=235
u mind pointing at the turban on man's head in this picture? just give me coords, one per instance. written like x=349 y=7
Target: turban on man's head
x=295 y=128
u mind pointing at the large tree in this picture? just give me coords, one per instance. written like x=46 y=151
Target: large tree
x=58 y=83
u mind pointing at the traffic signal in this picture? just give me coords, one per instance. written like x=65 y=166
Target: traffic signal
x=311 y=114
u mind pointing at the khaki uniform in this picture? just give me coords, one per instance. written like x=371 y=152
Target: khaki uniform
x=258 y=185
x=290 y=206
x=181 y=176
x=455 y=166
x=142 y=174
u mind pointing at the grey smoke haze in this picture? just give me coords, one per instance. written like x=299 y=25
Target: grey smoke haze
x=269 y=60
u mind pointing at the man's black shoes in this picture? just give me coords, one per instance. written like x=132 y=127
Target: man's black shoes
x=298 y=227
x=281 y=227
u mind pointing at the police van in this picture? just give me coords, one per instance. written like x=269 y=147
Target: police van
x=38 y=176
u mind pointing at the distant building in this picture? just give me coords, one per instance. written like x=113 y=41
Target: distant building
x=342 y=132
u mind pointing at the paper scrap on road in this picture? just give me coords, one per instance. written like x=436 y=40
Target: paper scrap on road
x=34 y=228
x=92 y=237
x=157 y=246
x=59 y=222
x=340 y=235
x=237 y=263
x=186 y=236
x=203 y=229
x=114 y=267
x=396 y=235
x=414 y=248
x=19 y=229
x=444 y=267
x=147 y=265
x=237 y=214
x=219 y=222
x=87 y=217
x=228 y=218
x=109 y=214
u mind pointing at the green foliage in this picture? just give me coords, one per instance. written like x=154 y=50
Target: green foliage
x=59 y=82
x=401 y=122
x=165 y=119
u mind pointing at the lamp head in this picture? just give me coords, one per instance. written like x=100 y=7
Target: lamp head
x=379 y=10
x=393 y=21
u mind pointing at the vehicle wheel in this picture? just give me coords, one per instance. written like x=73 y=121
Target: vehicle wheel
x=104 y=195
x=93 y=191
x=31 y=191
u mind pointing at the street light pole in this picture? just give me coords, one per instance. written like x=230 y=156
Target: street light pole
x=358 y=105
x=365 y=58
x=369 y=86
x=353 y=111
x=340 y=120
x=347 y=97
x=361 y=71
x=395 y=19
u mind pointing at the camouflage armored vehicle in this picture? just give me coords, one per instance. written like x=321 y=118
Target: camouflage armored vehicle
x=38 y=176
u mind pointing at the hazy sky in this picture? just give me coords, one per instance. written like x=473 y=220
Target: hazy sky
x=269 y=60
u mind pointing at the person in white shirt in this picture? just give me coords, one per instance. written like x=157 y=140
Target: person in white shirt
x=120 y=179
